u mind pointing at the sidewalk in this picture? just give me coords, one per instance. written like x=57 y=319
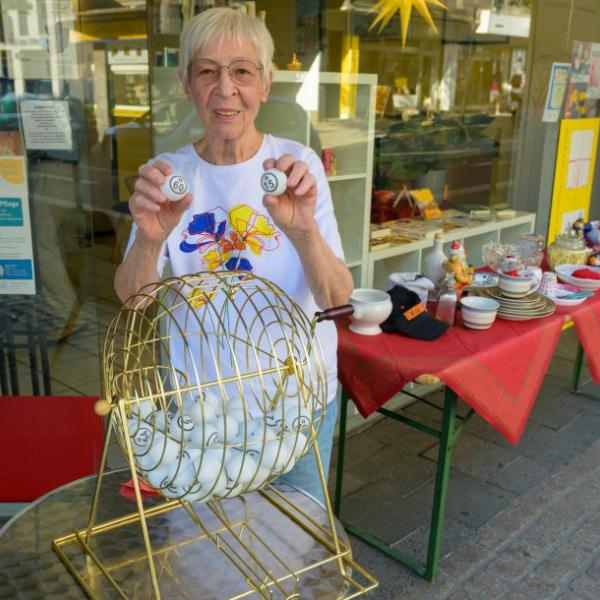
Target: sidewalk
x=522 y=523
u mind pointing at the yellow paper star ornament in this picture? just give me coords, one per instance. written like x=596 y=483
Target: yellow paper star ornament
x=387 y=9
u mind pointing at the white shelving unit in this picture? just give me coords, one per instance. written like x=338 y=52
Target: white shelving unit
x=409 y=257
x=350 y=137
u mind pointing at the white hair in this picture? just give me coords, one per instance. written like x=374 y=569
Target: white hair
x=224 y=26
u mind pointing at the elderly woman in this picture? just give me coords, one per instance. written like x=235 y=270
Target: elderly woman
x=291 y=239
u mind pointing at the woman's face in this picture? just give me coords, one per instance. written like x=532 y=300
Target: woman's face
x=227 y=108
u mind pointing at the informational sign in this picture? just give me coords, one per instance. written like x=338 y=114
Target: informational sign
x=559 y=78
x=16 y=249
x=574 y=173
x=38 y=39
x=583 y=97
x=46 y=124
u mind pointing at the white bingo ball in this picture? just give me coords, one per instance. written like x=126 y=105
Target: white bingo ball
x=174 y=188
x=158 y=476
x=274 y=456
x=141 y=435
x=197 y=492
x=212 y=399
x=201 y=411
x=204 y=435
x=142 y=408
x=240 y=467
x=288 y=451
x=297 y=443
x=227 y=428
x=191 y=454
x=187 y=401
x=233 y=489
x=289 y=417
x=159 y=420
x=209 y=465
x=261 y=477
x=256 y=430
x=219 y=487
x=183 y=473
x=273 y=182
x=163 y=449
x=235 y=404
x=182 y=427
x=239 y=416
x=146 y=462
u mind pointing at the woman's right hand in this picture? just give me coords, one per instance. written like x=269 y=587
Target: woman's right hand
x=153 y=213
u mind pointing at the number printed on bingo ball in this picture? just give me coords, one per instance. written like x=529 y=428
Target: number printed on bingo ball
x=174 y=187
x=274 y=182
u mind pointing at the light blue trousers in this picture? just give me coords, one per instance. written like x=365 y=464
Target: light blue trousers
x=305 y=475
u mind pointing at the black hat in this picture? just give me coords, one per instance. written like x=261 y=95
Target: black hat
x=410 y=317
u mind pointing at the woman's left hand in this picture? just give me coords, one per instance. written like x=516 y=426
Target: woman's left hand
x=294 y=210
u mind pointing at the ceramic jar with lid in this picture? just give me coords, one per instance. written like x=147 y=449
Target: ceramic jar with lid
x=567 y=250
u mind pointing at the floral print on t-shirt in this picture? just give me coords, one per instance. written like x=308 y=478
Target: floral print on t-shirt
x=226 y=240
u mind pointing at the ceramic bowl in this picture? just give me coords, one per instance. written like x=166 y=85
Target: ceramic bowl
x=564 y=273
x=477 y=312
x=516 y=287
x=371 y=308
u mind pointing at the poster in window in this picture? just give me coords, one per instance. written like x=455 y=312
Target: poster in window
x=16 y=249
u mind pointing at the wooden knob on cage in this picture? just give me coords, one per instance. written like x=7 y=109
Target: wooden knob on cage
x=102 y=407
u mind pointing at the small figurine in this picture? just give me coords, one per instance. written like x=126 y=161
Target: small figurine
x=577 y=228
x=458 y=267
x=594 y=259
x=511 y=265
x=457 y=248
x=294 y=64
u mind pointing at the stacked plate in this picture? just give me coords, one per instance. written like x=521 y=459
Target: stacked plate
x=532 y=306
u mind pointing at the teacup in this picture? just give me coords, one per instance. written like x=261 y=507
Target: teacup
x=477 y=312
x=371 y=308
x=518 y=286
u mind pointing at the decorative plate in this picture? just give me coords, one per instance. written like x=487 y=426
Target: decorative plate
x=483 y=280
x=564 y=289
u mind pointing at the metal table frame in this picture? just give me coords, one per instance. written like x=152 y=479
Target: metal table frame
x=451 y=428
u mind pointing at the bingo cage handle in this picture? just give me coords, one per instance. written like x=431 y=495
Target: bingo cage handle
x=329 y=314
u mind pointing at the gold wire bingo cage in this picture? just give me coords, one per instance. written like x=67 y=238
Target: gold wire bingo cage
x=215 y=385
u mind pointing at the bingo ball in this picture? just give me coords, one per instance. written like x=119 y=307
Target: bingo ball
x=182 y=427
x=204 y=435
x=174 y=188
x=274 y=182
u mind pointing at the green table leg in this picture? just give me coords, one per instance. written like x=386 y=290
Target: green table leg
x=441 y=486
x=577 y=369
x=447 y=436
x=339 y=469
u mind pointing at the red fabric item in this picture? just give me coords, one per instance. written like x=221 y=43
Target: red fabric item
x=585 y=274
x=128 y=491
x=586 y=318
x=497 y=372
x=47 y=441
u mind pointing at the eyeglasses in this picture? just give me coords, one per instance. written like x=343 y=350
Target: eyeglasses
x=242 y=72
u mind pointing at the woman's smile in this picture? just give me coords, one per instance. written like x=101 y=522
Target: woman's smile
x=226 y=114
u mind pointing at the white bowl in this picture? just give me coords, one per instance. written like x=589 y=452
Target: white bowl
x=563 y=272
x=517 y=287
x=371 y=308
x=478 y=313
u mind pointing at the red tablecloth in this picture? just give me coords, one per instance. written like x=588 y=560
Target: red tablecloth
x=497 y=372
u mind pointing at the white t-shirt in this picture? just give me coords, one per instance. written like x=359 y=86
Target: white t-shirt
x=227 y=227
